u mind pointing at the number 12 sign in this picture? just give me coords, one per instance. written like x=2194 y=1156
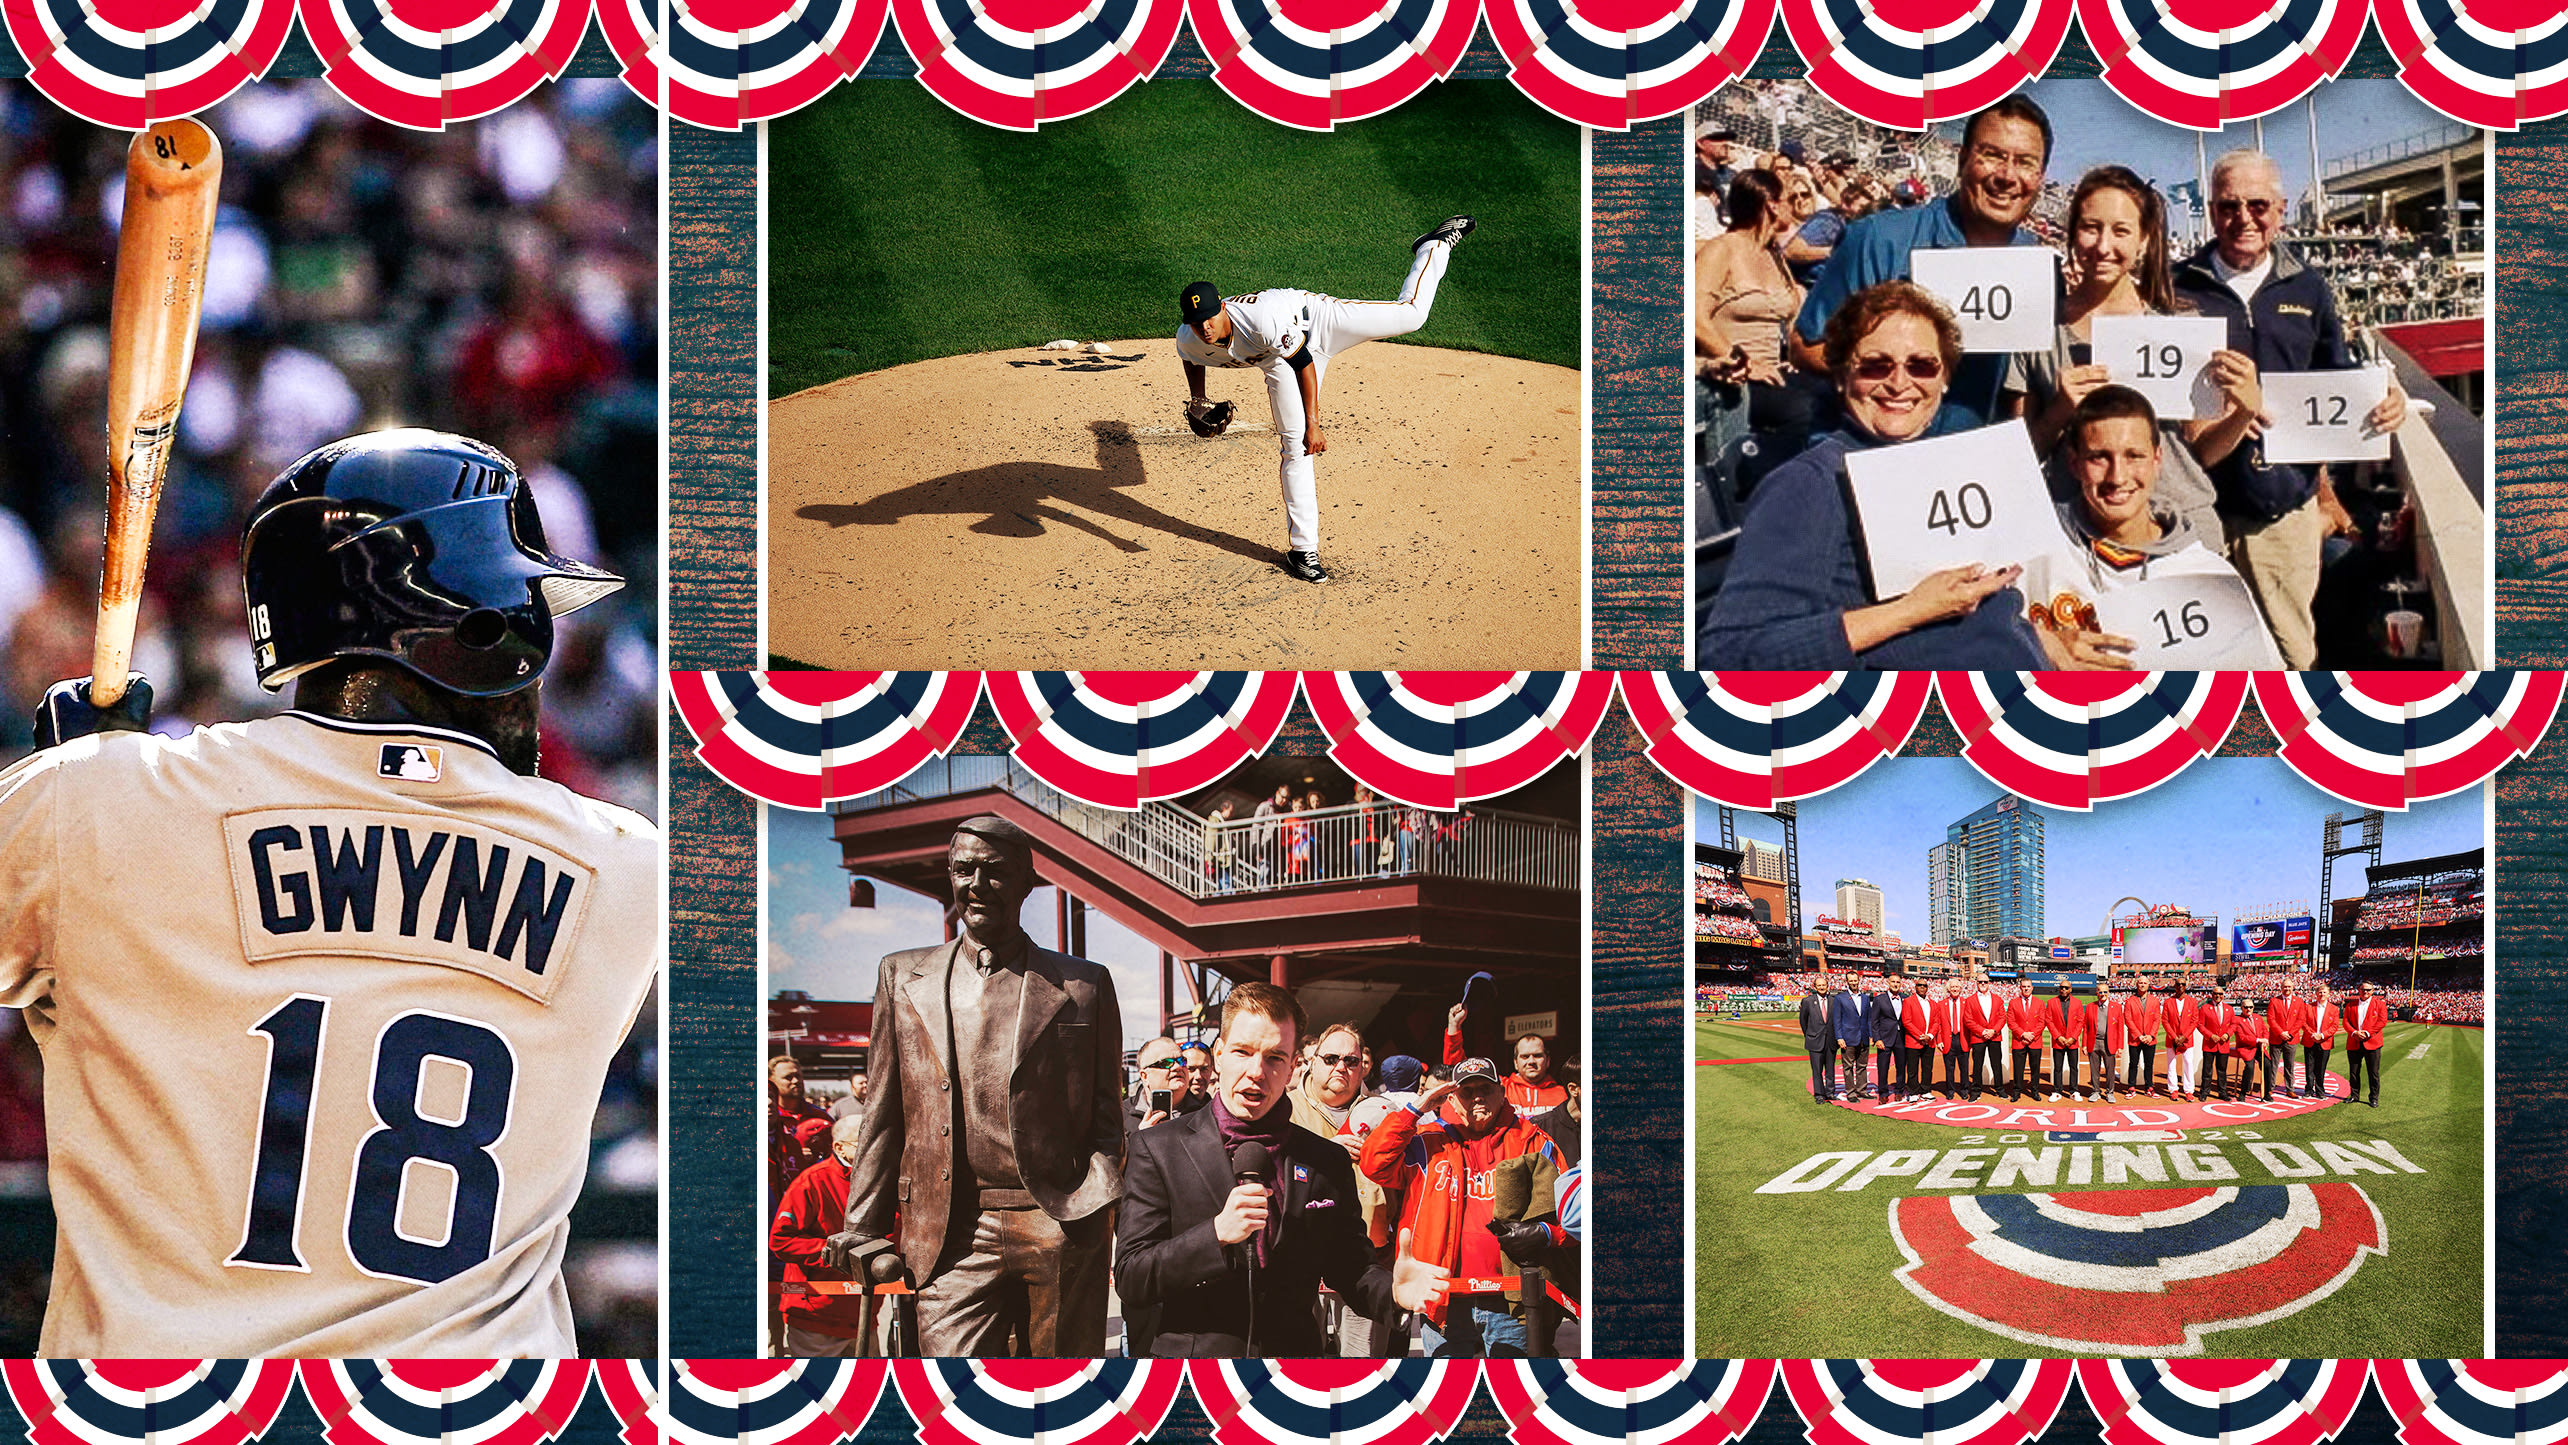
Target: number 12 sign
x=2002 y=295
x=1951 y=501
x=2318 y=415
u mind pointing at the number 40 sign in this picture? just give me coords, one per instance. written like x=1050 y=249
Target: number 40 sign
x=1951 y=501
x=2001 y=295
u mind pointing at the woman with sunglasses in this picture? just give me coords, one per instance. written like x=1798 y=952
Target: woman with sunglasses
x=1794 y=596
x=2119 y=266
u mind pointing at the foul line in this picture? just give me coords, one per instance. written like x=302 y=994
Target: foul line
x=1786 y=1059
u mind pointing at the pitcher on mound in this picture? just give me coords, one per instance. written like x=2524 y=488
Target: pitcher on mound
x=1289 y=335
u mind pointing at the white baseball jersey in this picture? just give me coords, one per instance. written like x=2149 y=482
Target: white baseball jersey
x=325 y=1009
x=1266 y=327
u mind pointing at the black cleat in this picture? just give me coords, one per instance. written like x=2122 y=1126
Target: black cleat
x=1448 y=230
x=1305 y=565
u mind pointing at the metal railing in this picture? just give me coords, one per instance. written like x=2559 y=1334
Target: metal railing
x=2450 y=133
x=1205 y=858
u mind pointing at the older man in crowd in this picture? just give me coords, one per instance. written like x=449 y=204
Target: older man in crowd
x=2283 y=314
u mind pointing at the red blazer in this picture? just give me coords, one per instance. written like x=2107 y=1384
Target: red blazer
x=1947 y=1021
x=2143 y=1017
x=2290 y=1018
x=1915 y=1021
x=2026 y=1017
x=2326 y=1022
x=2219 y=1023
x=2072 y=1024
x=2251 y=1036
x=2117 y=1023
x=2367 y=1017
x=1978 y=1027
x=2183 y=1016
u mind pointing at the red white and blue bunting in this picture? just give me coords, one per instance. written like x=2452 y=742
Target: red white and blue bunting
x=770 y=1402
x=1629 y=1402
x=444 y=1402
x=803 y=739
x=2205 y=63
x=1913 y=63
x=1314 y=63
x=147 y=1402
x=2387 y=739
x=2223 y=1402
x=1333 y=1402
x=632 y=1390
x=1441 y=739
x=2475 y=1402
x=1121 y=739
x=732 y=63
x=2075 y=739
x=1755 y=739
x=1752 y=740
x=429 y=66
x=1927 y=1402
x=632 y=31
x=1061 y=1402
x=1018 y=63
x=1611 y=64
x=125 y=66
x=2496 y=63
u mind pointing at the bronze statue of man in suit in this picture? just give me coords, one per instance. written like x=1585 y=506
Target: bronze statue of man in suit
x=993 y=1127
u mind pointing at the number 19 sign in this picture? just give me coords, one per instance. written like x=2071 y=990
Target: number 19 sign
x=1976 y=497
x=2164 y=359
x=2001 y=294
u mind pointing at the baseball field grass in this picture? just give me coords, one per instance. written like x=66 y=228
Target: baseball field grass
x=1811 y=1274
x=901 y=231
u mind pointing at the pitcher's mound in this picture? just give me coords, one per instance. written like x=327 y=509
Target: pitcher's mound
x=1035 y=509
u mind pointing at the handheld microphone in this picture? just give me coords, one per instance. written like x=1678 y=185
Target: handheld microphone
x=1250 y=1163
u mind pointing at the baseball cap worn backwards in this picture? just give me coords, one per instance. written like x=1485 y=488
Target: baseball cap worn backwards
x=1198 y=302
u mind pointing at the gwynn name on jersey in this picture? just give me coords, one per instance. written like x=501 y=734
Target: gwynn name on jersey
x=421 y=888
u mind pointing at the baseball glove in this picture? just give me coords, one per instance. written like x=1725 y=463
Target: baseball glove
x=1208 y=418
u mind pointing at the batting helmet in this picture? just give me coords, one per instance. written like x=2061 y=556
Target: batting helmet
x=418 y=547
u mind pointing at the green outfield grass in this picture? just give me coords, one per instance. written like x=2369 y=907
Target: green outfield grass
x=1811 y=1274
x=901 y=231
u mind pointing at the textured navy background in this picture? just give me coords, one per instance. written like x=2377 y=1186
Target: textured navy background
x=1639 y=190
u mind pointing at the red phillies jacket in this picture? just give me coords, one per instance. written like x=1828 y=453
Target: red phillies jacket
x=1916 y=1022
x=1544 y=1093
x=1983 y=1016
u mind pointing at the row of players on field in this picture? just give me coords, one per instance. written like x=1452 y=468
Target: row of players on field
x=1886 y=1044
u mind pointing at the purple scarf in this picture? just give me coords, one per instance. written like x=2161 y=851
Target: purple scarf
x=1271 y=1131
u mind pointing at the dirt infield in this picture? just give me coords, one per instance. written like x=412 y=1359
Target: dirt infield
x=1023 y=509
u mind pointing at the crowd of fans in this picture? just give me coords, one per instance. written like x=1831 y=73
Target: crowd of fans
x=2385 y=274
x=1428 y=1138
x=1812 y=344
x=498 y=279
x=2406 y=910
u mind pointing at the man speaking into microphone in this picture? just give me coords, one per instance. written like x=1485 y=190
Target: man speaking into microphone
x=1233 y=1215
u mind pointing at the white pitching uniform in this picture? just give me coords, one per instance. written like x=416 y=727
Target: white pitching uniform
x=1268 y=326
x=325 y=1009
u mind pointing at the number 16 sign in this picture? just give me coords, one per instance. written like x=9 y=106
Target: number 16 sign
x=1976 y=497
x=2000 y=294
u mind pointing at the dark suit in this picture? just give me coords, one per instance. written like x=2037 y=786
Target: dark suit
x=1890 y=1047
x=1819 y=1041
x=1852 y=1014
x=1065 y=1124
x=1167 y=1256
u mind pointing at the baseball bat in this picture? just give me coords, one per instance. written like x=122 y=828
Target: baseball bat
x=173 y=177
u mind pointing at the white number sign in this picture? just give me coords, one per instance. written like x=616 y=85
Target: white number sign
x=1951 y=501
x=2319 y=415
x=2002 y=295
x=2164 y=359
x=2190 y=621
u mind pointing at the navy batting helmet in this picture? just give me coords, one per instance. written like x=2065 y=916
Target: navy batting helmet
x=416 y=547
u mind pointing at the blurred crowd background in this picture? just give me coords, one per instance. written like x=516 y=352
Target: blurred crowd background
x=498 y=279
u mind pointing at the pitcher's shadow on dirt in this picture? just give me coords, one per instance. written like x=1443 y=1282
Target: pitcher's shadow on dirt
x=1015 y=499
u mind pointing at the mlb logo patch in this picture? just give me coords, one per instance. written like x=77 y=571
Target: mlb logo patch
x=2133 y=1271
x=412 y=762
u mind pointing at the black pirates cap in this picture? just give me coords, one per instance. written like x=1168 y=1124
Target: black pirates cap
x=1198 y=302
